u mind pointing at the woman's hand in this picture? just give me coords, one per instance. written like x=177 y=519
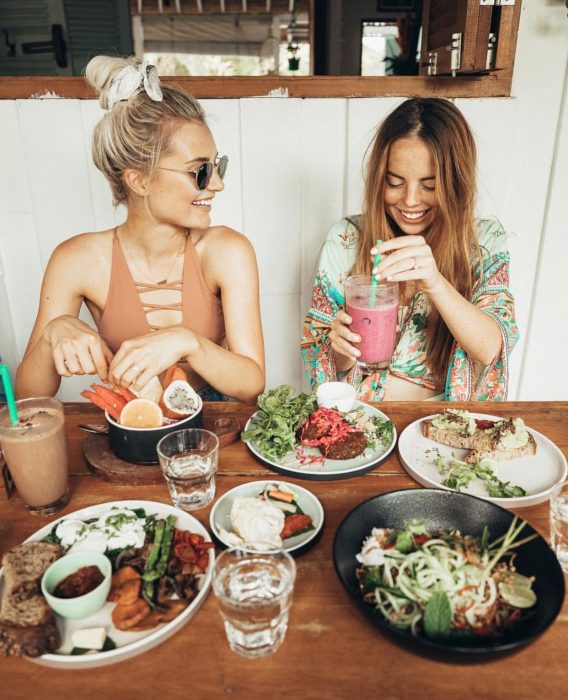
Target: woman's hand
x=77 y=348
x=409 y=258
x=139 y=359
x=341 y=337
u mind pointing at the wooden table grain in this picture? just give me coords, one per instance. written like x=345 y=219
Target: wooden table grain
x=331 y=650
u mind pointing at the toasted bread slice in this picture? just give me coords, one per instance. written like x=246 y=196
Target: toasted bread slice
x=29 y=641
x=27 y=623
x=446 y=436
x=488 y=446
x=25 y=564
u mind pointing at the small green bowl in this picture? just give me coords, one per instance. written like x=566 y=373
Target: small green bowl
x=83 y=605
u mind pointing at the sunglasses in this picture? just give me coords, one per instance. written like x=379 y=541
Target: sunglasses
x=204 y=173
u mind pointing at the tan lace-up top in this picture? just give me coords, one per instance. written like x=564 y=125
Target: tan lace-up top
x=125 y=313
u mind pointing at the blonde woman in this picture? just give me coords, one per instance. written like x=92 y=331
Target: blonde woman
x=457 y=320
x=165 y=286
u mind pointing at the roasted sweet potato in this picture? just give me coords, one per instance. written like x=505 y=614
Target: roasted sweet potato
x=125 y=586
x=125 y=617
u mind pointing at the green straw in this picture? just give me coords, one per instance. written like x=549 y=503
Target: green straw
x=11 y=401
x=376 y=261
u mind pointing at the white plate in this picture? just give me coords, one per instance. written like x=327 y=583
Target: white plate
x=128 y=644
x=537 y=474
x=330 y=469
x=221 y=512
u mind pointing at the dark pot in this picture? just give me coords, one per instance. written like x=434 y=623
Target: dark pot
x=139 y=444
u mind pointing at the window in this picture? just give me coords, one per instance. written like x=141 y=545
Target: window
x=379 y=46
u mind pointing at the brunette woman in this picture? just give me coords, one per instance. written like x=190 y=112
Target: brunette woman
x=456 y=321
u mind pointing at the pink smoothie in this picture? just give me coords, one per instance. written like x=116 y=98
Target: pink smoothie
x=377 y=328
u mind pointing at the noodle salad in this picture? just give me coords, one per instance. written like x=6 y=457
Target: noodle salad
x=445 y=584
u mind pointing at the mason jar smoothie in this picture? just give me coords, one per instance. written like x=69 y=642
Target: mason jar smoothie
x=374 y=315
x=35 y=449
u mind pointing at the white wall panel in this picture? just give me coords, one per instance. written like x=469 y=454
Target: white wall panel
x=23 y=272
x=54 y=146
x=104 y=213
x=280 y=325
x=363 y=117
x=494 y=141
x=543 y=32
x=14 y=186
x=546 y=359
x=272 y=189
x=223 y=118
x=324 y=144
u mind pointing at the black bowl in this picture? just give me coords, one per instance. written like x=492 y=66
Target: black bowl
x=446 y=510
x=138 y=445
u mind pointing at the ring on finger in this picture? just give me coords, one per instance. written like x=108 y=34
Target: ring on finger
x=136 y=371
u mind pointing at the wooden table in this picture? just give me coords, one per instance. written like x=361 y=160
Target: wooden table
x=331 y=650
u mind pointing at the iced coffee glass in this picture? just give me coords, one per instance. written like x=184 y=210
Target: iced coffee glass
x=36 y=453
x=374 y=313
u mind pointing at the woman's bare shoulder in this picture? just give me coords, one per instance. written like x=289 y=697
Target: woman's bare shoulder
x=86 y=245
x=222 y=237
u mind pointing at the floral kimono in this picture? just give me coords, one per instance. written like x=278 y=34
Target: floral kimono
x=465 y=379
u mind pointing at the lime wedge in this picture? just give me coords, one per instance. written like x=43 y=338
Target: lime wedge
x=517 y=596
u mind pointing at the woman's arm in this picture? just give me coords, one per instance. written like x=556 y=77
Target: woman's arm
x=411 y=258
x=60 y=344
x=237 y=370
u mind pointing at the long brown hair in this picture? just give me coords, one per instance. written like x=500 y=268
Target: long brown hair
x=453 y=235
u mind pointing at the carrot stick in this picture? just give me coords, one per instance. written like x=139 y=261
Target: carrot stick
x=125 y=393
x=115 y=400
x=101 y=403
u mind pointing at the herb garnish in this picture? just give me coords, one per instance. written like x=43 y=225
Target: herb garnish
x=459 y=474
x=273 y=429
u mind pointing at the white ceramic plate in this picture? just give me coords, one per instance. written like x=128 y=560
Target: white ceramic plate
x=537 y=474
x=128 y=644
x=330 y=469
x=221 y=512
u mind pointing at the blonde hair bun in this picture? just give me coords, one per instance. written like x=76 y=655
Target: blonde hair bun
x=138 y=129
x=101 y=70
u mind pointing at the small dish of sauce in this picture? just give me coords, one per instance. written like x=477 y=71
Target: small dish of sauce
x=79 y=583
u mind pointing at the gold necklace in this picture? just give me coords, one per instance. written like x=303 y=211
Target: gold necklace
x=164 y=281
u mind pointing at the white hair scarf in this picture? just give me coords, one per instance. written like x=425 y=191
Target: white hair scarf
x=130 y=80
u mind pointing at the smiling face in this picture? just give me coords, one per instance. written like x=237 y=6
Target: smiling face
x=410 y=196
x=174 y=196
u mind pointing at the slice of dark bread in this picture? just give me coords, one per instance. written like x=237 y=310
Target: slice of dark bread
x=32 y=641
x=27 y=623
x=25 y=564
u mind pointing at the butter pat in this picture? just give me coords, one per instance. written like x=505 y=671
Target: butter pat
x=89 y=638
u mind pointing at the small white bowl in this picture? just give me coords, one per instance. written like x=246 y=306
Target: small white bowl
x=336 y=395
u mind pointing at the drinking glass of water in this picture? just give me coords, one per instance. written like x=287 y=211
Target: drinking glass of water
x=188 y=459
x=254 y=593
x=559 y=523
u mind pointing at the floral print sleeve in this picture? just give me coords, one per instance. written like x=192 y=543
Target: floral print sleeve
x=470 y=381
x=328 y=295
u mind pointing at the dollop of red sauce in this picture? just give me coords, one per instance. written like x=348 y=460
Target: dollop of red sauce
x=80 y=582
